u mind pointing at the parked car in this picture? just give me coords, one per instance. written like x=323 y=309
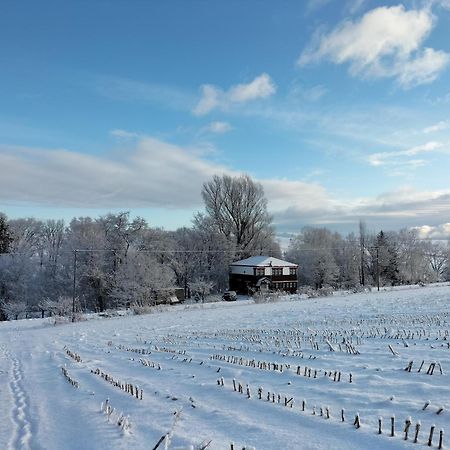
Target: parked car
x=229 y=296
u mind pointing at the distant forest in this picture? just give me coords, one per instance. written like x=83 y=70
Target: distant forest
x=113 y=261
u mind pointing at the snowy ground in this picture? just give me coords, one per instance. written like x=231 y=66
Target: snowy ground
x=177 y=359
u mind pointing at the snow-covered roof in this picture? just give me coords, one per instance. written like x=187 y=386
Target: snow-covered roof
x=263 y=261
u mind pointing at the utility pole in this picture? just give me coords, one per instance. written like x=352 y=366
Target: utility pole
x=74 y=284
x=378 y=270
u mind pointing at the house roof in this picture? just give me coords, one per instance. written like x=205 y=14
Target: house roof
x=263 y=261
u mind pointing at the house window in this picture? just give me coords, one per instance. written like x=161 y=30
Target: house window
x=259 y=271
x=277 y=271
x=293 y=271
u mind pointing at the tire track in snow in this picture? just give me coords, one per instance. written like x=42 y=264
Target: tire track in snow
x=20 y=413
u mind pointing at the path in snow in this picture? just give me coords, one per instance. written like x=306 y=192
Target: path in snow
x=20 y=413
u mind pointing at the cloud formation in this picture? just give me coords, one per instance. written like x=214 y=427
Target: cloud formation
x=400 y=157
x=151 y=173
x=154 y=173
x=405 y=207
x=387 y=42
x=215 y=98
x=219 y=127
x=438 y=232
x=442 y=125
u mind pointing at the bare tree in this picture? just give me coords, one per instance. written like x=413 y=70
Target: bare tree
x=139 y=280
x=437 y=258
x=238 y=208
x=201 y=288
x=362 y=245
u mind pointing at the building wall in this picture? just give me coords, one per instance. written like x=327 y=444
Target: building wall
x=243 y=270
x=242 y=282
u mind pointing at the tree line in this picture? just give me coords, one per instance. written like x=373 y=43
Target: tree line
x=368 y=259
x=115 y=260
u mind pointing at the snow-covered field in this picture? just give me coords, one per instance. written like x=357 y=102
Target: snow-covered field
x=300 y=352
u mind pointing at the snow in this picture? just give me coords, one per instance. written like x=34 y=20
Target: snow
x=40 y=409
x=263 y=261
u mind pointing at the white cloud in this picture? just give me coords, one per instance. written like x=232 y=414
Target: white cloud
x=404 y=207
x=158 y=174
x=395 y=158
x=152 y=173
x=285 y=194
x=218 y=127
x=311 y=94
x=355 y=5
x=123 y=134
x=260 y=87
x=442 y=125
x=422 y=69
x=443 y=3
x=437 y=232
x=213 y=97
x=385 y=42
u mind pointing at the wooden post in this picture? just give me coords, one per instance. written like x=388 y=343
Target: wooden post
x=430 y=437
x=416 y=434
x=342 y=415
x=407 y=425
x=392 y=426
x=441 y=440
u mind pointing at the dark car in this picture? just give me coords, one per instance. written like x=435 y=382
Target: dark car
x=229 y=296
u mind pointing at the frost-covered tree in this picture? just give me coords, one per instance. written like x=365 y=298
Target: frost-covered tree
x=5 y=235
x=385 y=266
x=86 y=246
x=412 y=261
x=201 y=288
x=362 y=251
x=314 y=250
x=141 y=280
x=348 y=254
x=436 y=255
x=238 y=208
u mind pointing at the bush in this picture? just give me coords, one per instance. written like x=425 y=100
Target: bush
x=267 y=297
x=148 y=309
x=310 y=292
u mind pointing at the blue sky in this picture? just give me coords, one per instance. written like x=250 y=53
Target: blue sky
x=340 y=108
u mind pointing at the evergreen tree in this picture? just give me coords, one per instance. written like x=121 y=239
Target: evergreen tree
x=5 y=235
x=387 y=260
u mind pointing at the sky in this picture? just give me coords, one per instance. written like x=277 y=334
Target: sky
x=339 y=108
